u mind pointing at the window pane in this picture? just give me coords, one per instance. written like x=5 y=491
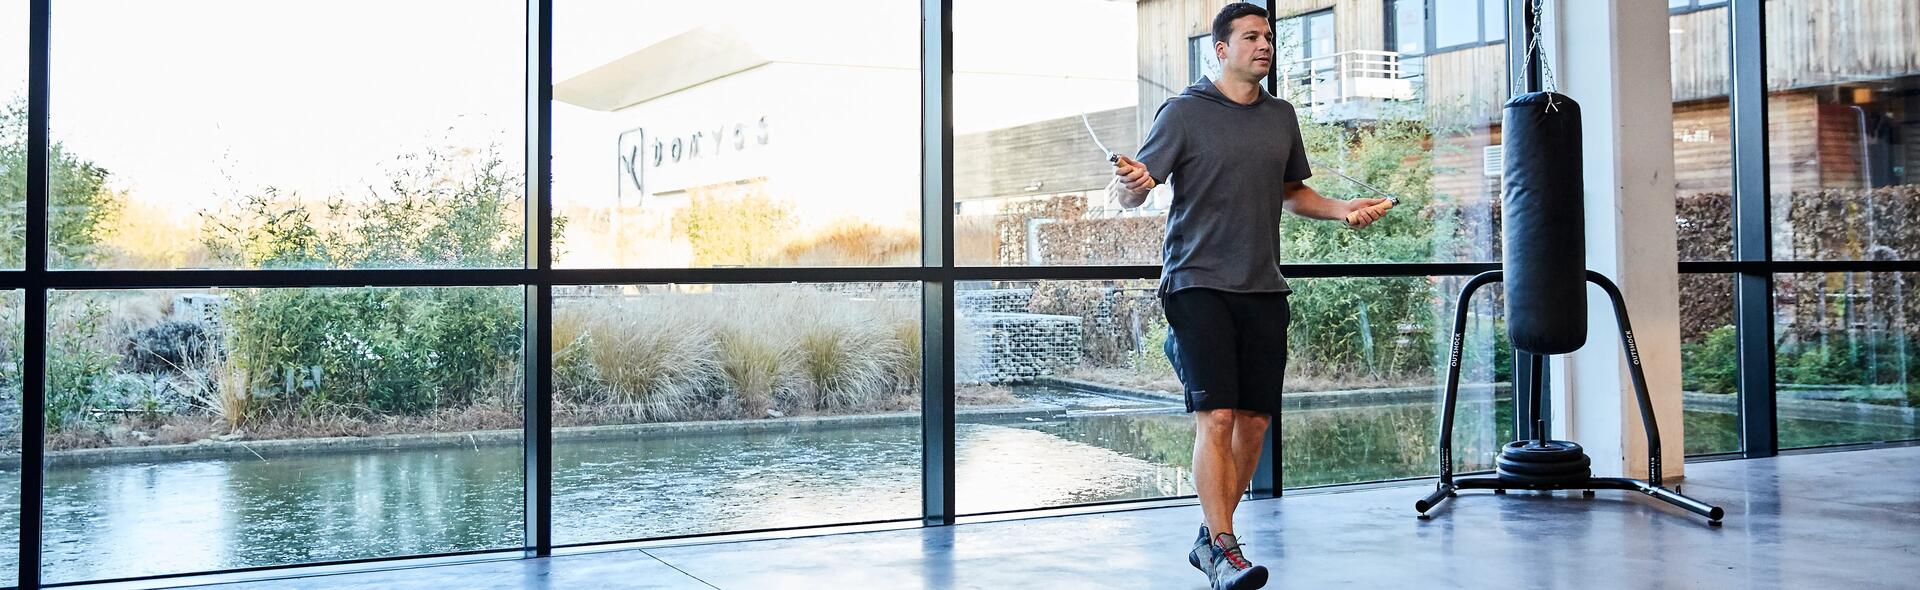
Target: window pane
x=1495 y=13
x=1842 y=122
x=1201 y=60
x=10 y=440
x=1409 y=26
x=1428 y=132
x=1027 y=171
x=13 y=147
x=1320 y=35
x=1702 y=138
x=1677 y=4
x=1847 y=357
x=1456 y=22
x=1066 y=396
x=1033 y=185
x=693 y=409
x=1709 y=364
x=758 y=133
x=191 y=431
x=1365 y=368
x=261 y=140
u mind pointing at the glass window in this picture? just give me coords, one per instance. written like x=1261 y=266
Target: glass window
x=759 y=133
x=1843 y=119
x=1032 y=182
x=13 y=145
x=1494 y=19
x=1365 y=366
x=11 y=321
x=201 y=430
x=1407 y=26
x=1066 y=396
x=1709 y=364
x=1320 y=37
x=260 y=140
x=1702 y=135
x=1201 y=58
x=1846 y=357
x=690 y=409
x=1455 y=22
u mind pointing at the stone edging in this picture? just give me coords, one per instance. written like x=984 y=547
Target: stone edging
x=1305 y=400
x=269 y=449
x=1807 y=409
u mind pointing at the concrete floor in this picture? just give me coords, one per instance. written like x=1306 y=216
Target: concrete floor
x=1835 y=520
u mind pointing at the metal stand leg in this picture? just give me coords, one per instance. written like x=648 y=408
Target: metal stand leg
x=1445 y=488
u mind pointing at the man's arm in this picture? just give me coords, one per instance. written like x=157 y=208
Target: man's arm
x=1302 y=200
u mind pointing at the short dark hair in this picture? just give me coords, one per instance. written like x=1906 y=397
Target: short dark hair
x=1223 y=22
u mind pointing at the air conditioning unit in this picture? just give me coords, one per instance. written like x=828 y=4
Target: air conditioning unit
x=1493 y=161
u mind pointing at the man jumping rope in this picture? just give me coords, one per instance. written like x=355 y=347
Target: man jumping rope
x=1236 y=159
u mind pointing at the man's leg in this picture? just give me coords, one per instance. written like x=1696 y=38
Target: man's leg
x=1261 y=361
x=1249 y=432
x=1216 y=468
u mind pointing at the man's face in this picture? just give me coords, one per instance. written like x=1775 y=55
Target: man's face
x=1248 y=52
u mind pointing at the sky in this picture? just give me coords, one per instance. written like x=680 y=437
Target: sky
x=190 y=103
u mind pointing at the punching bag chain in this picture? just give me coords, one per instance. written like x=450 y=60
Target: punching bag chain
x=1534 y=52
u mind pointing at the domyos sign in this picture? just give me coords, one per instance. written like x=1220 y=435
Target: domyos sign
x=659 y=161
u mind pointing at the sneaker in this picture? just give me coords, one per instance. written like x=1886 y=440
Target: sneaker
x=1201 y=552
x=1229 y=569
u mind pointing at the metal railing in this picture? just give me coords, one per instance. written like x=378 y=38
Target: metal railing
x=1323 y=81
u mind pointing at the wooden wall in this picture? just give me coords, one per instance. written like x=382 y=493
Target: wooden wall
x=1809 y=43
x=1164 y=27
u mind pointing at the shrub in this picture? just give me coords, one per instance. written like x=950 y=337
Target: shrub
x=1711 y=365
x=375 y=351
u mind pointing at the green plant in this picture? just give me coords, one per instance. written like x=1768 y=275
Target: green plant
x=1369 y=329
x=1711 y=365
x=327 y=352
x=847 y=363
x=735 y=225
x=759 y=369
x=1151 y=358
x=81 y=207
x=660 y=364
x=78 y=368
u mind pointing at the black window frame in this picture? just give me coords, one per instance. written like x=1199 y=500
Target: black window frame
x=1754 y=269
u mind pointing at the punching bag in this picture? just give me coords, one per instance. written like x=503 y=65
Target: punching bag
x=1544 y=225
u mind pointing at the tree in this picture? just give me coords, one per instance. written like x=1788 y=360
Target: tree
x=81 y=206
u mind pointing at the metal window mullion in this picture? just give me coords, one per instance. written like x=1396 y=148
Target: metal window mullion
x=537 y=325
x=1753 y=297
x=937 y=427
x=34 y=313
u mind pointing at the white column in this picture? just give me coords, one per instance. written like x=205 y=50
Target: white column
x=1612 y=57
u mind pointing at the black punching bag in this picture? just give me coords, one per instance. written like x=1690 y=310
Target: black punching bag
x=1545 y=254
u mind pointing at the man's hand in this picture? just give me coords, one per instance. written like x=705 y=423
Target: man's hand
x=1133 y=175
x=1359 y=212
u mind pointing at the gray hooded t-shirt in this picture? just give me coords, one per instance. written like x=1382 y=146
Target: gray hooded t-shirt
x=1228 y=164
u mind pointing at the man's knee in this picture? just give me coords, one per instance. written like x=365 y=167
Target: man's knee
x=1215 y=423
x=1251 y=420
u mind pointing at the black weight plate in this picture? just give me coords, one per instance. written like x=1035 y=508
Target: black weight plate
x=1555 y=468
x=1554 y=451
x=1524 y=479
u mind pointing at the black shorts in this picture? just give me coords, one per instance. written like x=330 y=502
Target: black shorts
x=1229 y=349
